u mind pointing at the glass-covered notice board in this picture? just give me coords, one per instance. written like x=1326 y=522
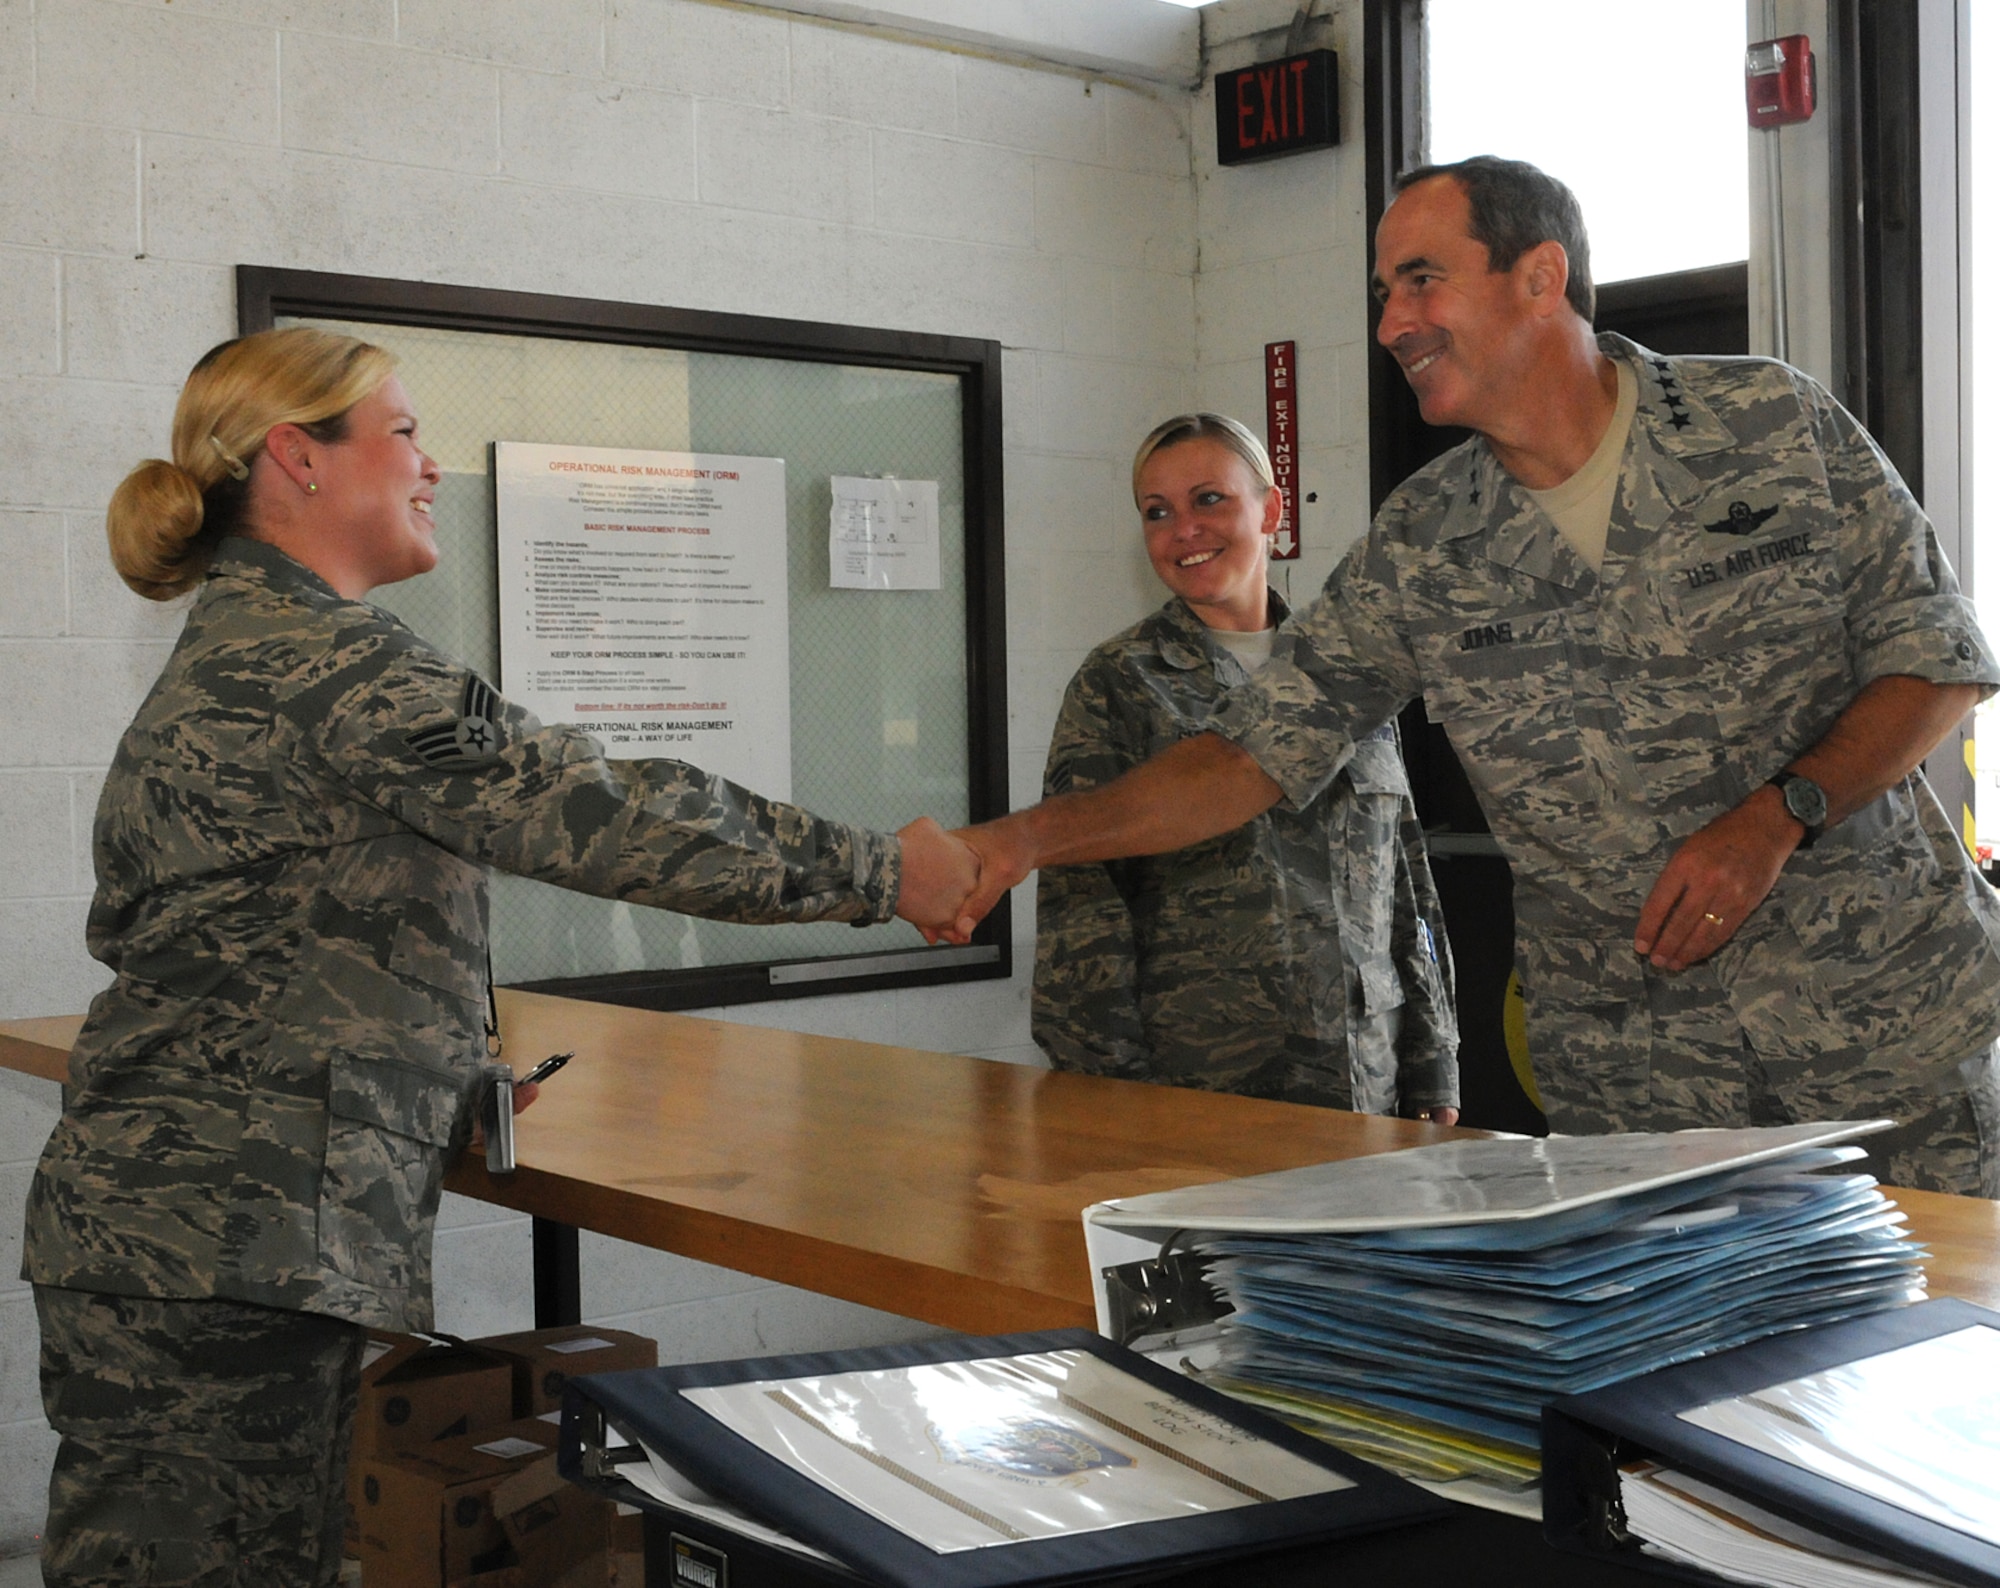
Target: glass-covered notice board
x=889 y=684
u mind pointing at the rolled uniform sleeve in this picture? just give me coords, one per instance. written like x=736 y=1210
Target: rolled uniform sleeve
x=429 y=744
x=1341 y=669
x=1907 y=614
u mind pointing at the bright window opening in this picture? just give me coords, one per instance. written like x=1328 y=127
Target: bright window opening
x=1983 y=302
x=1637 y=106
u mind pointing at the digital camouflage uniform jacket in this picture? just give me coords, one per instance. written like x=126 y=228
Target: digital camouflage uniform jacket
x=1764 y=564
x=1277 y=960
x=291 y=851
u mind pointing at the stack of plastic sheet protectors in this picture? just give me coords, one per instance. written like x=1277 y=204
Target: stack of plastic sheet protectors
x=1420 y=1308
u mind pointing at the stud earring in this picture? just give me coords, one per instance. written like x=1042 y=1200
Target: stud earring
x=312 y=487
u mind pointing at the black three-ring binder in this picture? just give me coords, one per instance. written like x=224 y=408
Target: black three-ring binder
x=1587 y=1438
x=603 y=1412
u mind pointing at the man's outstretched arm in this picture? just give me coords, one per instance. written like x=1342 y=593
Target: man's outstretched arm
x=1190 y=791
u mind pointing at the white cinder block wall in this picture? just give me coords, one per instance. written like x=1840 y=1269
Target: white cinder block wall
x=1284 y=258
x=712 y=156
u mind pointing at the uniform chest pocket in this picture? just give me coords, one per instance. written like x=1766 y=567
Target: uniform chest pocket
x=1766 y=654
x=1738 y=604
x=1505 y=691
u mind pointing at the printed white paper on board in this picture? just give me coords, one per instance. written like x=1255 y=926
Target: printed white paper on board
x=883 y=534
x=643 y=597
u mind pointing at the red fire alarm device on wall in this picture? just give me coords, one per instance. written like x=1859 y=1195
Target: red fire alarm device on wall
x=1279 y=107
x=1780 y=81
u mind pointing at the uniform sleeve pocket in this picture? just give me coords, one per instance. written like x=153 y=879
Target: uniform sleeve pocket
x=389 y=1127
x=392 y=1095
x=1381 y=988
x=436 y=961
x=1377 y=767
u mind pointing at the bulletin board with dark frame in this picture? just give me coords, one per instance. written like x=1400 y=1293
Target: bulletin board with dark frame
x=898 y=373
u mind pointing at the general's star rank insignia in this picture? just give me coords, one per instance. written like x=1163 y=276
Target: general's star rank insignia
x=470 y=740
x=1743 y=519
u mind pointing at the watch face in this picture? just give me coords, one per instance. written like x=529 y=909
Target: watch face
x=1806 y=800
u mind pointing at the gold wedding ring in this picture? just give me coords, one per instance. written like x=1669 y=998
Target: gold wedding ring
x=1710 y=915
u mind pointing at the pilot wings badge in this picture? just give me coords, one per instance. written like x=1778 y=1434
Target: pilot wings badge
x=1743 y=519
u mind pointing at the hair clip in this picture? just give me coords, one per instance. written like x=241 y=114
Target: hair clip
x=231 y=461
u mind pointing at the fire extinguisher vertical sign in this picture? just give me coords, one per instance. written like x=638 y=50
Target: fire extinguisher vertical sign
x=1281 y=436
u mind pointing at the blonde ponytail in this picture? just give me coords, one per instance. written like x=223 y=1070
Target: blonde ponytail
x=166 y=518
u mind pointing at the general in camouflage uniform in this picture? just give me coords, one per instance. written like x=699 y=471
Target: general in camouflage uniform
x=291 y=853
x=1299 y=957
x=1764 y=564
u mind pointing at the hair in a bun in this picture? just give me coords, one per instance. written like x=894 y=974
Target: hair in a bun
x=166 y=518
x=154 y=522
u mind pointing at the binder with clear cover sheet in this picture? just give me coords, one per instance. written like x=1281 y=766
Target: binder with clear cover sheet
x=1014 y=1461
x=1870 y=1432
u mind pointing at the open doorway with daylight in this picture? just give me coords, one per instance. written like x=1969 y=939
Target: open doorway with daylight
x=1638 y=107
x=1982 y=335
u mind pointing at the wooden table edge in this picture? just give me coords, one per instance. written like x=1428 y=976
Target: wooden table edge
x=1962 y=1232
x=39 y=1047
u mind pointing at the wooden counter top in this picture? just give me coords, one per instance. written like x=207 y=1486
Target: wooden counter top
x=39 y=1047
x=934 y=1186
x=941 y=1188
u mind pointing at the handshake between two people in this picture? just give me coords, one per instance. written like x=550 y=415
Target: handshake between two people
x=952 y=879
x=1192 y=790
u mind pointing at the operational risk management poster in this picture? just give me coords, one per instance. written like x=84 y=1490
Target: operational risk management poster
x=643 y=597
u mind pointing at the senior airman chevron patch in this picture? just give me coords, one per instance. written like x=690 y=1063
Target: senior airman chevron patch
x=472 y=739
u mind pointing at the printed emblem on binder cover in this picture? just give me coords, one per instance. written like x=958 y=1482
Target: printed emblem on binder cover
x=1041 y=1452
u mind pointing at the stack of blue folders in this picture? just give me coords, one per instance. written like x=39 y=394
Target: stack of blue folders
x=1431 y=1347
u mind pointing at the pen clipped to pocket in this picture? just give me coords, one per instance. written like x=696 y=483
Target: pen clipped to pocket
x=496 y=1118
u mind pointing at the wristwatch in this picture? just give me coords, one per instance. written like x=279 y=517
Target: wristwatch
x=1805 y=800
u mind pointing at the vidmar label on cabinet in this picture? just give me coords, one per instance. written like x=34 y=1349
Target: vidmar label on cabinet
x=643 y=597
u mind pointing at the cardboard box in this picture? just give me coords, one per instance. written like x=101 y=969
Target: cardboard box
x=545 y=1359
x=486 y=1510
x=415 y=1390
x=628 y=1548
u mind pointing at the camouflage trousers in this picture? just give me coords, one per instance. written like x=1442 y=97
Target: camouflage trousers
x=203 y=1442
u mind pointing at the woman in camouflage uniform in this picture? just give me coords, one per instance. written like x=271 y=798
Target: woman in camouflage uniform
x=1300 y=957
x=291 y=853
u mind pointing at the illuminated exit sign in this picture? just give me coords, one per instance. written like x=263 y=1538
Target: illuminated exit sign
x=1279 y=107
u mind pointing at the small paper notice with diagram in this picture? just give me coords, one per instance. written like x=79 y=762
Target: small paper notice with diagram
x=883 y=534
